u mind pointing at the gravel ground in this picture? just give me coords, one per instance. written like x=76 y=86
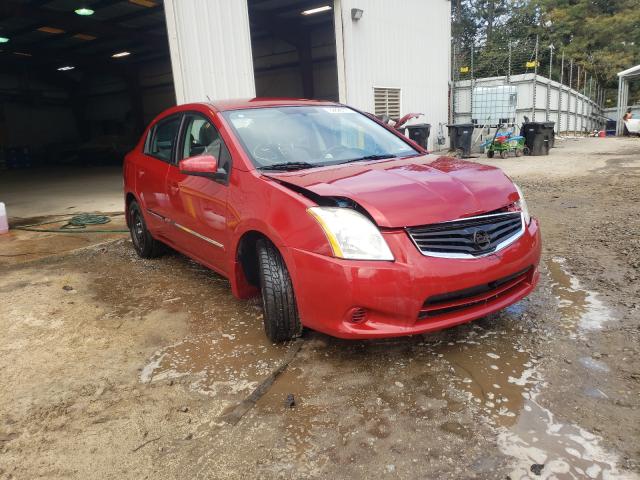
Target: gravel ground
x=117 y=367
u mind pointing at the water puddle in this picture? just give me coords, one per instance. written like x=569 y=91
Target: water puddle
x=578 y=306
x=492 y=372
x=566 y=451
x=502 y=384
x=226 y=363
x=359 y=399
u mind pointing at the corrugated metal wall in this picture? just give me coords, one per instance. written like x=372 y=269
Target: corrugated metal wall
x=210 y=48
x=399 y=44
x=577 y=112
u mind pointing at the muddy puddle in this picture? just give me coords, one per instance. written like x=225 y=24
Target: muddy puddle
x=503 y=382
x=578 y=306
x=226 y=354
x=358 y=399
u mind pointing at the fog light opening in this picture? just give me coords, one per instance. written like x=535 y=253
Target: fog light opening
x=358 y=315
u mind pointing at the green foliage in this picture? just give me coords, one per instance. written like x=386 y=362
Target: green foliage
x=601 y=35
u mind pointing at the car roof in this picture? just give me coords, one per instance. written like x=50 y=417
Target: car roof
x=239 y=104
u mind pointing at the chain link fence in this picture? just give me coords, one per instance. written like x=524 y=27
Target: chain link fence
x=545 y=85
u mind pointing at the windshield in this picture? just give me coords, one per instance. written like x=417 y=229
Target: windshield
x=306 y=137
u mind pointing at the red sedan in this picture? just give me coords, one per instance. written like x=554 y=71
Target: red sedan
x=341 y=223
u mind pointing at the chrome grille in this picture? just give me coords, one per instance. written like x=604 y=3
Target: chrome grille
x=468 y=237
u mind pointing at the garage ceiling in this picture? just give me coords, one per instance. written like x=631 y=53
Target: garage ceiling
x=283 y=18
x=48 y=34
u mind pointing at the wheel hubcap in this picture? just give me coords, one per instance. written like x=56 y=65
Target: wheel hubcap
x=138 y=230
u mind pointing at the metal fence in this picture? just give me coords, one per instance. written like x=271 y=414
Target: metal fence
x=547 y=86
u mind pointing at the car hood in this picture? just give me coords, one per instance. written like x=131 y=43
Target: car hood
x=410 y=191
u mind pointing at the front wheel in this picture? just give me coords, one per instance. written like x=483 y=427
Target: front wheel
x=281 y=321
x=490 y=153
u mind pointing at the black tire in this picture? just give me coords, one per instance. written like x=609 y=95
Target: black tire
x=490 y=153
x=281 y=321
x=145 y=245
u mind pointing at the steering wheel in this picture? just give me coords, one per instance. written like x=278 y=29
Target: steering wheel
x=268 y=152
x=336 y=150
x=275 y=152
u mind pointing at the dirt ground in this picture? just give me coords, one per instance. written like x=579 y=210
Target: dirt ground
x=117 y=367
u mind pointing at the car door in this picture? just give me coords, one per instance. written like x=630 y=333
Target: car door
x=152 y=171
x=198 y=205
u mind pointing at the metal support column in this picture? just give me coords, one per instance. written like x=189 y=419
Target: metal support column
x=535 y=81
x=548 y=109
x=569 y=95
x=560 y=93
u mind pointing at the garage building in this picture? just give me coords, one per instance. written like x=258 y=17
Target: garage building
x=80 y=80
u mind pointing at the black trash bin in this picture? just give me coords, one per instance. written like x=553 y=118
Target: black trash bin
x=536 y=138
x=550 y=132
x=419 y=133
x=460 y=135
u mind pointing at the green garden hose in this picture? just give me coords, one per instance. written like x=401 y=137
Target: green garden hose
x=76 y=224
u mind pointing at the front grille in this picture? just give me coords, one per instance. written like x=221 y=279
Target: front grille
x=471 y=297
x=468 y=237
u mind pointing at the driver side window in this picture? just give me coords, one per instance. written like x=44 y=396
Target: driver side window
x=200 y=137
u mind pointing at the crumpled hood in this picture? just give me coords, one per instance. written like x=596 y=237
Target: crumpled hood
x=409 y=192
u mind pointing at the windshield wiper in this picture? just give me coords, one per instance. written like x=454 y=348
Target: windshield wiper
x=370 y=157
x=285 y=166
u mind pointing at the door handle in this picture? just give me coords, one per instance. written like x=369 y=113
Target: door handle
x=140 y=173
x=174 y=188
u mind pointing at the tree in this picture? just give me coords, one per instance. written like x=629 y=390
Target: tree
x=602 y=36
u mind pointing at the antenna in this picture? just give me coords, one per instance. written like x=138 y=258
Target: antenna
x=209 y=98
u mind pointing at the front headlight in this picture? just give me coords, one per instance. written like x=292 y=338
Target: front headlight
x=351 y=234
x=522 y=204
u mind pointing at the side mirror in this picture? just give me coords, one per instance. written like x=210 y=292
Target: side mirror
x=202 y=166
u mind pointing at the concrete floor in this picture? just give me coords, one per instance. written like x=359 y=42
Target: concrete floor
x=41 y=192
x=117 y=367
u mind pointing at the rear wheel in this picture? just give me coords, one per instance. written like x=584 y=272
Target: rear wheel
x=145 y=245
x=281 y=321
x=519 y=152
x=504 y=154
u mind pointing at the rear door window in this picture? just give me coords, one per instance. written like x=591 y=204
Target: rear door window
x=163 y=138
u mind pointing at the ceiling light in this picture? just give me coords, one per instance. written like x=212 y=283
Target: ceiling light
x=65 y=68
x=84 y=12
x=316 y=10
x=23 y=54
x=4 y=39
x=144 y=3
x=84 y=36
x=51 y=30
x=121 y=54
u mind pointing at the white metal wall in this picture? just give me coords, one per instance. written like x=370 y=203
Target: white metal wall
x=210 y=45
x=402 y=44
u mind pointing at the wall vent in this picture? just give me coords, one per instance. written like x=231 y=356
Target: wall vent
x=387 y=102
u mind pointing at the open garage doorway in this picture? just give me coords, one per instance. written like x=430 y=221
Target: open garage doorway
x=80 y=80
x=294 y=48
